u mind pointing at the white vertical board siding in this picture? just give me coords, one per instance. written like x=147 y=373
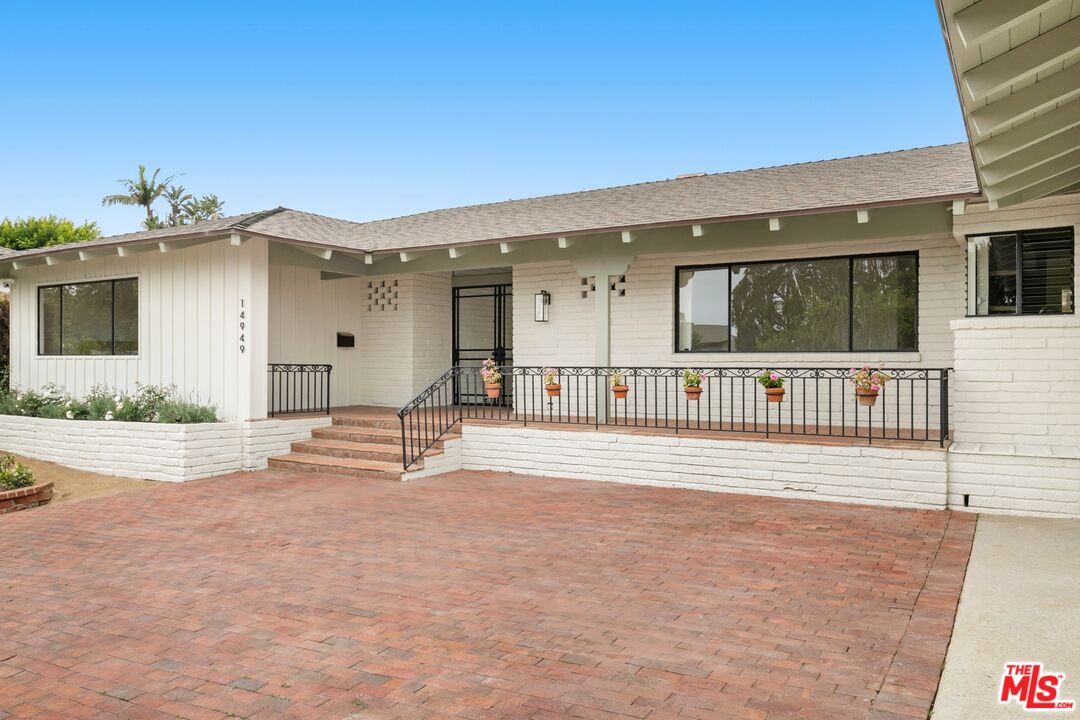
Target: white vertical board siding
x=188 y=334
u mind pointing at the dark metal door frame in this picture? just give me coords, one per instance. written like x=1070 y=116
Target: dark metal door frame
x=501 y=296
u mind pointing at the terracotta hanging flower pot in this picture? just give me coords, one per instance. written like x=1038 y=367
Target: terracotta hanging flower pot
x=774 y=394
x=693 y=392
x=553 y=389
x=866 y=397
x=620 y=391
x=492 y=377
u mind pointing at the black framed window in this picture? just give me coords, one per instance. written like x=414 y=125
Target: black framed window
x=835 y=304
x=92 y=318
x=1023 y=273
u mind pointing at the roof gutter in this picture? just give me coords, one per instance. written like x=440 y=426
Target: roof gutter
x=944 y=20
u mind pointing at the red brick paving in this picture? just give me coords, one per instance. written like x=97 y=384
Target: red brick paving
x=473 y=595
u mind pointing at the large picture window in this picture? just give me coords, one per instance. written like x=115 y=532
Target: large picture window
x=94 y=318
x=1024 y=273
x=842 y=304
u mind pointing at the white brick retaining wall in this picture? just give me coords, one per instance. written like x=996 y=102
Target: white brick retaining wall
x=858 y=474
x=153 y=451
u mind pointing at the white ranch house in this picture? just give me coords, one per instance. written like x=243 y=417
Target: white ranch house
x=952 y=267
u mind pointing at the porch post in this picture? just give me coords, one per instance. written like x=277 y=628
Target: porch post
x=251 y=320
x=602 y=319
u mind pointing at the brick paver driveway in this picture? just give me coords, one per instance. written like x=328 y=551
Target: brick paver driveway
x=472 y=595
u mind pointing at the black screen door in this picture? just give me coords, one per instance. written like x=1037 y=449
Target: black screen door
x=483 y=328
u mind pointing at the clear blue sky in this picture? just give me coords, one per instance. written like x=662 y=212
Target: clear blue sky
x=369 y=110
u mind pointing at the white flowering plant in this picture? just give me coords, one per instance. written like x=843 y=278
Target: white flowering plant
x=489 y=371
x=692 y=378
x=148 y=403
x=551 y=376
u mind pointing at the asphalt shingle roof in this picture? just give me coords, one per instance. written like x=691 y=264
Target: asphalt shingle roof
x=904 y=176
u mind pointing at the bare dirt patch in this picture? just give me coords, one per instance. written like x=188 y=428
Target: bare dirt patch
x=71 y=484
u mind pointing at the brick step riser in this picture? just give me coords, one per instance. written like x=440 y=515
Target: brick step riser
x=365 y=422
x=391 y=454
x=290 y=466
x=337 y=432
x=357 y=435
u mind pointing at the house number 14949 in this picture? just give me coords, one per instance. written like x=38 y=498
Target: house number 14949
x=243 y=326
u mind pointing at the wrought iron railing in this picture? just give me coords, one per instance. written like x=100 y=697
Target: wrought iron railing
x=821 y=402
x=298 y=388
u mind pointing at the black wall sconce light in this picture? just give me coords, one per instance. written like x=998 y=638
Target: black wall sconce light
x=543 y=303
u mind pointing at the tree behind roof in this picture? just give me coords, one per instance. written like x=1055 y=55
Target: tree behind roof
x=37 y=232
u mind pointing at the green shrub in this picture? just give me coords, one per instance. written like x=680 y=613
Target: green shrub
x=148 y=403
x=185 y=411
x=13 y=475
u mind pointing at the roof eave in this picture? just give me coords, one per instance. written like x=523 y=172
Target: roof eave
x=928 y=200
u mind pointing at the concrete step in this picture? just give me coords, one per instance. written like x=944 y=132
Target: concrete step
x=346 y=449
x=346 y=467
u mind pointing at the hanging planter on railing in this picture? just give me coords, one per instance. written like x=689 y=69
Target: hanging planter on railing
x=867 y=383
x=773 y=383
x=553 y=388
x=691 y=380
x=489 y=371
x=917 y=401
x=618 y=385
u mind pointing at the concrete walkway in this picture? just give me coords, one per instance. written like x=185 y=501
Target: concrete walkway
x=1020 y=603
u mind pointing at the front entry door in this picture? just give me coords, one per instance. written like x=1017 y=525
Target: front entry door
x=483 y=328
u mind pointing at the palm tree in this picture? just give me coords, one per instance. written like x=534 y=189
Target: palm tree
x=178 y=199
x=141 y=192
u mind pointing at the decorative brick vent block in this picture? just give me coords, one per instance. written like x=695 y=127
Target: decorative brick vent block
x=25 y=498
x=382 y=295
x=588 y=287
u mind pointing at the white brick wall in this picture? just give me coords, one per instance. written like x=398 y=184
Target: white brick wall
x=1016 y=391
x=153 y=451
x=436 y=464
x=1011 y=480
x=264 y=439
x=569 y=337
x=1017 y=381
x=432 y=328
x=862 y=474
x=401 y=344
x=643 y=320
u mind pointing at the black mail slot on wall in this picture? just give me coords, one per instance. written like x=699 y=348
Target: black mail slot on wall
x=346 y=340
